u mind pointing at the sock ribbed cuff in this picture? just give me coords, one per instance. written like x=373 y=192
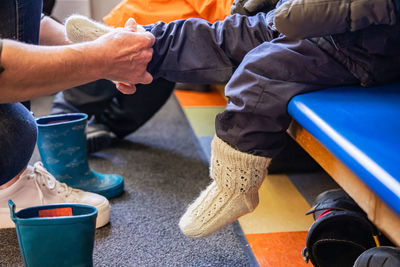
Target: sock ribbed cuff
x=232 y=156
x=236 y=170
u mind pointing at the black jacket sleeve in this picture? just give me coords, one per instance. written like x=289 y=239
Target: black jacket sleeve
x=315 y=18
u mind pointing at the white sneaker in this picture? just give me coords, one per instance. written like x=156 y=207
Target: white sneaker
x=36 y=186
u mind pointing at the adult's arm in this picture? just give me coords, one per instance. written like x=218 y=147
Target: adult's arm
x=52 y=32
x=315 y=18
x=31 y=71
x=1 y=48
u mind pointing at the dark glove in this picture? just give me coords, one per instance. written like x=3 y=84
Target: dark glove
x=252 y=7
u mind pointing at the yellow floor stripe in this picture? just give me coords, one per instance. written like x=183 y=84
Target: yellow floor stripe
x=281 y=209
x=202 y=119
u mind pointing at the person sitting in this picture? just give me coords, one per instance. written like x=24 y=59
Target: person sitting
x=298 y=47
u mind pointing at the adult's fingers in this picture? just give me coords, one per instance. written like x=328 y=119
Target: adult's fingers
x=147 y=78
x=145 y=56
x=151 y=37
x=131 y=25
x=126 y=88
x=148 y=38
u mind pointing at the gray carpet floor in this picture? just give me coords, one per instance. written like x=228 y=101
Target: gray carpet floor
x=163 y=171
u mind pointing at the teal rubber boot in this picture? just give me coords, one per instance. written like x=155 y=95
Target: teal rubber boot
x=59 y=235
x=62 y=147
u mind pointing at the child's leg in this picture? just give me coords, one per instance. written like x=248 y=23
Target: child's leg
x=196 y=51
x=251 y=129
x=266 y=75
x=256 y=118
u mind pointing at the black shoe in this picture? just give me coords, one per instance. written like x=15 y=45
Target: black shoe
x=379 y=257
x=98 y=136
x=340 y=233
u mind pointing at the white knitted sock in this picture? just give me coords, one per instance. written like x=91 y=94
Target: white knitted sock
x=82 y=29
x=233 y=193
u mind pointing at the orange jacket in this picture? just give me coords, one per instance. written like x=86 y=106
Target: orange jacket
x=151 y=11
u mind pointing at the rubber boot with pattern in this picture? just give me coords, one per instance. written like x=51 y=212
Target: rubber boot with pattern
x=62 y=147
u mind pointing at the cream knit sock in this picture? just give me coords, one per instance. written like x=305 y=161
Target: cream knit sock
x=233 y=193
x=82 y=29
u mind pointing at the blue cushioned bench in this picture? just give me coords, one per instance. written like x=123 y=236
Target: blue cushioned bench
x=354 y=134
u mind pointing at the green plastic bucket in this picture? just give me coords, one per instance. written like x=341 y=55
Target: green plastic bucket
x=56 y=235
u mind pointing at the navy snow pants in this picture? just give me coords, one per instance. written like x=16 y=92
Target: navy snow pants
x=264 y=70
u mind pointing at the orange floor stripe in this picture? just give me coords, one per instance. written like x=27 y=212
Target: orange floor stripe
x=278 y=249
x=197 y=99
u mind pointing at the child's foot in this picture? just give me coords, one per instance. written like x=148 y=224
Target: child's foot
x=233 y=193
x=82 y=29
x=215 y=208
x=36 y=186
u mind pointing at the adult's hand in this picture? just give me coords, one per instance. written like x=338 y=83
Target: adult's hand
x=128 y=88
x=124 y=55
x=120 y=55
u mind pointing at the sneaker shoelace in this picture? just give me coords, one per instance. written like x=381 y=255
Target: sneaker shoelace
x=43 y=178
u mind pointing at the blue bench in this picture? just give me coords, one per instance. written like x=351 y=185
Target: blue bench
x=354 y=134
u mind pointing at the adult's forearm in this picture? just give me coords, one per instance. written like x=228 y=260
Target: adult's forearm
x=52 y=32
x=1 y=49
x=33 y=71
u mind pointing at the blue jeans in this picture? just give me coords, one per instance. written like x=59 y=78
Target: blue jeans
x=19 y=20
